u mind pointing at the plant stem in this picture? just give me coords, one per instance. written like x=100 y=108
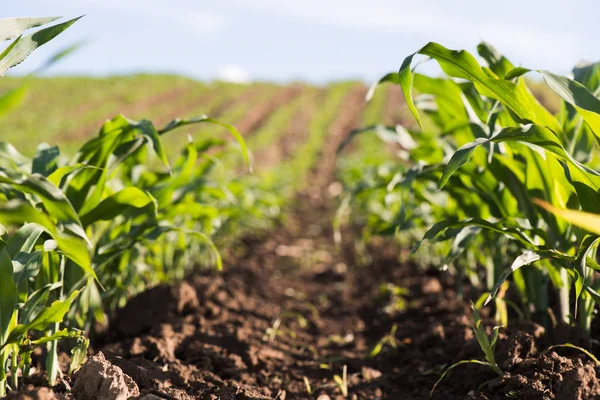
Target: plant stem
x=586 y=302
x=52 y=359
x=14 y=367
x=3 y=359
x=563 y=297
x=586 y=310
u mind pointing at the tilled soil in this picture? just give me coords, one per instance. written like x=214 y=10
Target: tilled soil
x=291 y=311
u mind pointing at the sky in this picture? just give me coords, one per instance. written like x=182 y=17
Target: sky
x=310 y=40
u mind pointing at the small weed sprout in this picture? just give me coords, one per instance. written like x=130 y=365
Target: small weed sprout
x=388 y=340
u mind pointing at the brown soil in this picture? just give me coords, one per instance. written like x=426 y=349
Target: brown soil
x=258 y=114
x=292 y=135
x=347 y=119
x=292 y=310
x=291 y=306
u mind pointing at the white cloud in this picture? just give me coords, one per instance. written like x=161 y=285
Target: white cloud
x=233 y=73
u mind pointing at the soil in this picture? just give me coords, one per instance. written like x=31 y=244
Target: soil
x=292 y=310
x=258 y=114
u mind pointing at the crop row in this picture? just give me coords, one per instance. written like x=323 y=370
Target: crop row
x=80 y=235
x=500 y=189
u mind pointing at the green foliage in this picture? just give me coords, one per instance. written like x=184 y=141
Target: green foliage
x=487 y=180
x=79 y=236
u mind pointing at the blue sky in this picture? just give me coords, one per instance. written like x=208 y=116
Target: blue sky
x=314 y=40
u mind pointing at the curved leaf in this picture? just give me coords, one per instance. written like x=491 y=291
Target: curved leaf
x=461 y=64
x=55 y=313
x=12 y=27
x=25 y=45
x=117 y=204
x=8 y=293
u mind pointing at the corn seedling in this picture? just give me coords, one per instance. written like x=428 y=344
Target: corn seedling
x=487 y=345
x=342 y=381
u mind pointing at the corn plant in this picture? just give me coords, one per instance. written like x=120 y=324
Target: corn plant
x=39 y=247
x=78 y=226
x=487 y=345
x=488 y=148
x=79 y=236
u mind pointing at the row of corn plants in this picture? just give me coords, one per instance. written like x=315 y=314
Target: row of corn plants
x=503 y=190
x=79 y=236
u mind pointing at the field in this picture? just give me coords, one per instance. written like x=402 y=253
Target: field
x=439 y=244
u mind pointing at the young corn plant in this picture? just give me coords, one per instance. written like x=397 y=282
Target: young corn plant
x=38 y=247
x=77 y=226
x=78 y=237
x=529 y=153
x=487 y=345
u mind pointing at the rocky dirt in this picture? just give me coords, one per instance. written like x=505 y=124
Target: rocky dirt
x=291 y=311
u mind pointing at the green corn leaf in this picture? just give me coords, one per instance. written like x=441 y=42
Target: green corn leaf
x=526 y=258
x=496 y=61
x=588 y=75
x=61 y=54
x=578 y=96
x=460 y=158
x=62 y=334
x=12 y=27
x=45 y=161
x=585 y=247
x=57 y=176
x=24 y=239
x=572 y=346
x=535 y=135
x=8 y=152
x=17 y=212
x=182 y=176
x=178 y=123
x=26 y=265
x=25 y=45
x=165 y=227
x=117 y=204
x=499 y=227
x=149 y=135
x=461 y=64
x=8 y=293
x=457 y=364
x=484 y=341
x=55 y=313
x=391 y=77
x=36 y=302
x=53 y=199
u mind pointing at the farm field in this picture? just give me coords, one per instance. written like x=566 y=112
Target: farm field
x=292 y=308
x=165 y=238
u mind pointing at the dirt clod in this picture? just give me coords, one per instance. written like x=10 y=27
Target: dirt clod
x=152 y=306
x=99 y=379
